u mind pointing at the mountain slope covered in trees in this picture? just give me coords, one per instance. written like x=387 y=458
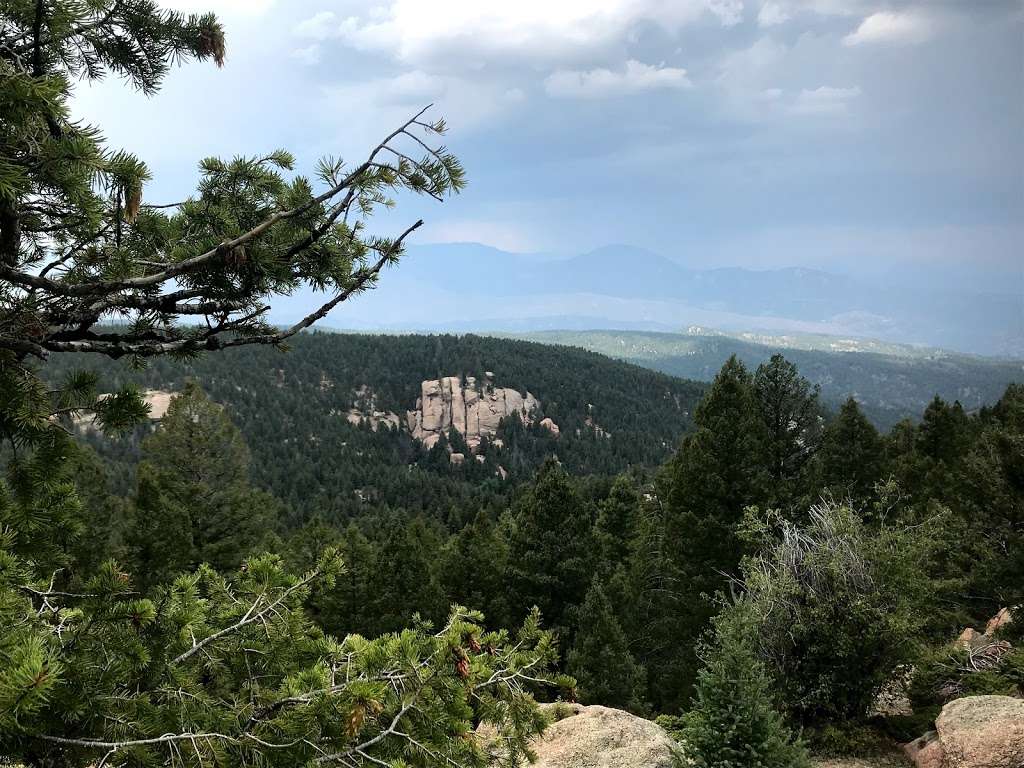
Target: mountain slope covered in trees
x=292 y=409
x=891 y=383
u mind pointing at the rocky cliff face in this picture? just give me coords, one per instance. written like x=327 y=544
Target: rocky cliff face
x=157 y=400
x=473 y=409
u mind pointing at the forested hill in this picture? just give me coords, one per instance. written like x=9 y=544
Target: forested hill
x=890 y=382
x=292 y=409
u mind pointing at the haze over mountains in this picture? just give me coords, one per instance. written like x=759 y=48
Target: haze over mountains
x=473 y=287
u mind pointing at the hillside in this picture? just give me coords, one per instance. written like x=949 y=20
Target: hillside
x=302 y=415
x=892 y=383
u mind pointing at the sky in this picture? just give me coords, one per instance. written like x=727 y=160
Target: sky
x=856 y=136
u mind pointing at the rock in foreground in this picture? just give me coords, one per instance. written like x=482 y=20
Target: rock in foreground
x=599 y=737
x=974 y=732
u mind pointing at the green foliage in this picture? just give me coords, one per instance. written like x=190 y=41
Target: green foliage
x=96 y=666
x=194 y=502
x=617 y=524
x=550 y=549
x=793 y=420
x=734 y=722
x=78 y=246
x=600 y=660
x=947 y=672
x=231 y=670
x=846 y=739
x=836 y=607
x=850 y=460
x=474 y=565
x=290 y=409
x=719 y=470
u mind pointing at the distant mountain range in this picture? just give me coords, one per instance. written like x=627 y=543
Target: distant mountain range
x=472 y=287
x=890 y=381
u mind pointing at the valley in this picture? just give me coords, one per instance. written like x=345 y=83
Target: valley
x=890 y=381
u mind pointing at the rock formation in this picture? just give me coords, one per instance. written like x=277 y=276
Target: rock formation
x=157 y=399
x=599 y=737
x=974 y=732
x=364 y=406
x=999 y=621
x=473 y=410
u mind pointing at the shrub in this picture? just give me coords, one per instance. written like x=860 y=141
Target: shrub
x=734 y=722
x=836 y=607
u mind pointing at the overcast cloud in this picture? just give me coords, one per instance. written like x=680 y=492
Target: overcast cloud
x=849 y=135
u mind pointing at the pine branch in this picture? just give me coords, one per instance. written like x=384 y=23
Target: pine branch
x=251 y=616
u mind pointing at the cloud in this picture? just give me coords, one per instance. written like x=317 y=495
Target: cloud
x=772 y=14
x=417 y=32
x=385 y=102
x=604 y=83
x=824 y=100
x=221 y=7
x=319 y=26
x=310 y=55
x=887 y=27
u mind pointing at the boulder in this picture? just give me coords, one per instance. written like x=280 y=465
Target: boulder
x=999 y=621
x=925 y=752
x=599 y=737
x=973 y=732
x=971 y=638
x=551 y=427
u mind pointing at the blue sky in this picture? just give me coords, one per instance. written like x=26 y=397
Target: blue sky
x=850 y=135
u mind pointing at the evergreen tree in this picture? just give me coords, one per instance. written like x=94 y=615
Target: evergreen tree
x=473 y=568
x=600 y=660
x=615 y=529
x=106 y=520
x=406 y=581
x=195 y=503
x=718 y=471
x=990 y=502
x=943 y=434
x=793 y=421
x=550 y=550
x=734 y=722
x=852 y=455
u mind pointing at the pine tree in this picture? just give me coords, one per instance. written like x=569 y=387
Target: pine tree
x=600 y=660
x=106 y=520
x=852 y=455
x=718 y=472
x=615 y=529
x=550 y=550
x=195 y=503
x=793 y=420
x=734 y=723
x=943 y=434
x=79 y=245
x=406 y=581
x=473 y=568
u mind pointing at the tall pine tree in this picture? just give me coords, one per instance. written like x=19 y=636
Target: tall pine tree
x=600 y=659
x=550 y=549
x=793 y=422
x=195 y=502
x=851 y=457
